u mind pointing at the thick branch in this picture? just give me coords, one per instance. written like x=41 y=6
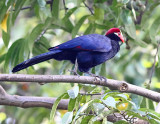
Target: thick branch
x=30 y=101
x=122 y=86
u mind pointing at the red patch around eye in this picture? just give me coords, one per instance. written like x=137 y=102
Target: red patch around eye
x=78 y=47
x=57 y=47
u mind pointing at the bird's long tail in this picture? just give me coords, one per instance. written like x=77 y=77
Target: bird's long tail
x=35 y=60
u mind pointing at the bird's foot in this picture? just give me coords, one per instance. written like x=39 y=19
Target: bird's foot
x=74 y=72
x=97 y=76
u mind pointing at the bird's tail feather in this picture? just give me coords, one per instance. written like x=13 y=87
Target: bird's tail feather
x=35 y=60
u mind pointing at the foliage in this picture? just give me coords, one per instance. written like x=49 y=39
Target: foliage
x=31 y=27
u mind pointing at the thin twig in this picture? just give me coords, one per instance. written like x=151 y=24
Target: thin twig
x=139 y=18
x=51 y=4
x=65 y=8
x=28 y=7
x=91 y=94
x=41 y=34
x=153 y=66
x=88 y=8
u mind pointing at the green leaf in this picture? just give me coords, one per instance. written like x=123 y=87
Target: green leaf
x=125 y=1
x=131 y=30
x=86 y=119
x=110 y=101
x=147 y=103
x=55 y=9
x=67 y=118
x=98 y=108
x=41 y=46
x=121 y=122
x=15 y=53
x=134 y=114
x=159 y=59
x=2 y=58
x=150 y=111
x=77 y=104
x=89 y=29
x=154 y=30
x=55 y=26
x=78 y=25
x=73 y=93
x=153 y=116
x=153 y=121
x=35 y=34
x=42 y=3
x=18 y=6
x=6 y=38
x=54 y=107
x=71 y=104
x=99 y=14
x=85 y=106
x=130 y=27
x=123 y=96
x=66 y=20
x=104 y=120
x=126 y=17
x=4 y=8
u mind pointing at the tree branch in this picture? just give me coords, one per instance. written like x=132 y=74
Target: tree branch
x=46 y=102
x=121 y=86
x=30 y=101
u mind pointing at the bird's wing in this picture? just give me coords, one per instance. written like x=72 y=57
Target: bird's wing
x=91 y=42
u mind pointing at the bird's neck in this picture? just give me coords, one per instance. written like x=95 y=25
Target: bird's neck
x=115 y=42
x=113 y=37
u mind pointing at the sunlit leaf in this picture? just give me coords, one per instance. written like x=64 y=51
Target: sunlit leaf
x=54 y=107
x=67 y=118
x=55 y=9
x=99 y=14
x=110 y=101
x=73 y=93
x=4 y=8
x=85 y=106
x=98 y=108
x=71 y=104
x=4 y=22
x=154 y=30
x=86 y=119
x=6 y=38
x=2 y=116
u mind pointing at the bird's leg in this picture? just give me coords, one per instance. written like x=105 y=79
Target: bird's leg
x=74 y=71
x=97 y=76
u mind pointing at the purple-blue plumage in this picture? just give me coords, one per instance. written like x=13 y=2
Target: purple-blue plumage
x=89 y=50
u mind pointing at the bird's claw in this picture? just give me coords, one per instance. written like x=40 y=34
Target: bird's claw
x=97 y=76
x=101 y=78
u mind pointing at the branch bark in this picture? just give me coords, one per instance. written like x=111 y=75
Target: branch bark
x=121 y=86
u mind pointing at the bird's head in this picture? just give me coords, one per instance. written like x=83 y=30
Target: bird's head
x=115 y=32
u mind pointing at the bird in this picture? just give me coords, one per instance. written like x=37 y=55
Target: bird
x=85 y=51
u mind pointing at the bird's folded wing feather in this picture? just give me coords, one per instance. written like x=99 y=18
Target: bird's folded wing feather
x=91 y=42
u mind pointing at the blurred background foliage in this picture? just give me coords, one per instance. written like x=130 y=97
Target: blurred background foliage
x=29 y=28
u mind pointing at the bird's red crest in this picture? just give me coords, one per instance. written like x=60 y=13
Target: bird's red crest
x=112 y=30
